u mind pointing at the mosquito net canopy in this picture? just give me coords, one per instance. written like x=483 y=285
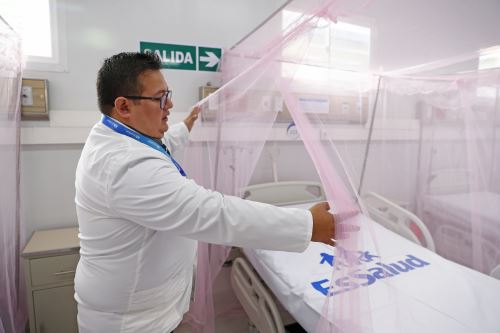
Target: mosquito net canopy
x=373 y=129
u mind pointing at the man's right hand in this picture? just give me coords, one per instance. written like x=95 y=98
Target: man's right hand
x=325 y=225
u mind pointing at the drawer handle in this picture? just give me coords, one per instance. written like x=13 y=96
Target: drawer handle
x=64 y=272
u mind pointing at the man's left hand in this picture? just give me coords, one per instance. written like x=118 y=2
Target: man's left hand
x=191 y=118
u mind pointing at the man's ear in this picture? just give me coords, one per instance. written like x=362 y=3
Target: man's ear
x=122 y=107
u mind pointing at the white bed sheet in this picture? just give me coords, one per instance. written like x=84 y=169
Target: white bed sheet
x=440 y=296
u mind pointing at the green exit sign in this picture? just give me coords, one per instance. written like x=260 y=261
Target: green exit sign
x=209 y=58
x=185 y=57
x=172 y=55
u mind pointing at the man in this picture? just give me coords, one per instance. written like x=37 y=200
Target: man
x=140 y=217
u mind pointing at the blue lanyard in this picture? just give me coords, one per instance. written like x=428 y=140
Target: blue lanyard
x=119 y=128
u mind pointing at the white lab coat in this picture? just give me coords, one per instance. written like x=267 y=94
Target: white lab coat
x=139 y=221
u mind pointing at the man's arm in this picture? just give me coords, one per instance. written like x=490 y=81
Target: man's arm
x=156 y=196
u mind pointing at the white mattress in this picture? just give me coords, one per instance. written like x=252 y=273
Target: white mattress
x=439 y=296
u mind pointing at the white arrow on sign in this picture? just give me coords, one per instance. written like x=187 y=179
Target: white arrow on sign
x=212 y=59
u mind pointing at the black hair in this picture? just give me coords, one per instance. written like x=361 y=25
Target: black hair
x=119 y=76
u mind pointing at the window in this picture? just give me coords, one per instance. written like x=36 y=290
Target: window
x=341 y=45
x=490 y=58
x=329 y=57
x=37 y=22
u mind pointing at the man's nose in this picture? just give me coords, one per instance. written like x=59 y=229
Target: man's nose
x=169 y=104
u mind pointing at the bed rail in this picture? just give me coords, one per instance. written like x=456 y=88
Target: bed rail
x=285 y=193
x=398 y=219
x=255 y=298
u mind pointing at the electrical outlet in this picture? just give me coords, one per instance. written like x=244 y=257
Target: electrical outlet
x=26 y=96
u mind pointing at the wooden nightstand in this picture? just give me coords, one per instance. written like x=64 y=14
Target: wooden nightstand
x=50 y=260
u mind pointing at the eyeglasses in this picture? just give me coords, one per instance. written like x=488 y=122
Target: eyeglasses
x=163 y=98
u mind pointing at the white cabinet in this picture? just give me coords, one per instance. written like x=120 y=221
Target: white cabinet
x=50 y=259
x=55 y=310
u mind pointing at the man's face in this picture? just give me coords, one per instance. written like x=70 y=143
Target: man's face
x=146 y=116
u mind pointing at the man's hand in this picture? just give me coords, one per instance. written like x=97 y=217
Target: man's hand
x=326 y=227
x=191 y=118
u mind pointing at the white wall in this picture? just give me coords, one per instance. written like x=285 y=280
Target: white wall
x=47 y=186
x=409 y=33
x=405 y=33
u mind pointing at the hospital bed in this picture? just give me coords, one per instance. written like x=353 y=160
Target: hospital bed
x=436 y=295
x=448 y=209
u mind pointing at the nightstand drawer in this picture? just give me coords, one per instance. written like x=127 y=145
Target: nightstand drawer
x=53 y=269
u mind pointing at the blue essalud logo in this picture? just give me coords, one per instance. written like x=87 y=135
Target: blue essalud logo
x=358 y=278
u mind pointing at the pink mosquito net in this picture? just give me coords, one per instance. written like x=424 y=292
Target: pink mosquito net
x=13 y=312
x=425 y=138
